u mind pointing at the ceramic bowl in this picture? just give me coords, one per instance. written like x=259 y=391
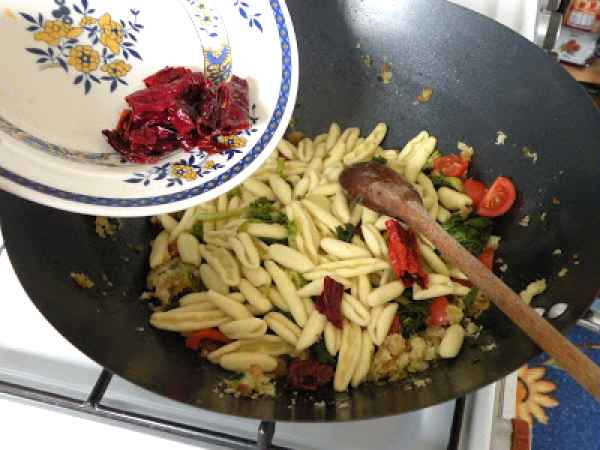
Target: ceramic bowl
x=68 y=64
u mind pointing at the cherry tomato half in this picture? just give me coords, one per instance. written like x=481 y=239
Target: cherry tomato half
x=475 y=189
x=487 y=257
x=451 y=165
x=498 y=199
x=438 y=312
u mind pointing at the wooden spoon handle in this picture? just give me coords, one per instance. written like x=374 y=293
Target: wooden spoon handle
x=573 y=360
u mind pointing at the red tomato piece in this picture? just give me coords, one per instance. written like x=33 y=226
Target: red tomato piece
x=451 y=165
x=211 y=334
x=498 y=199
x=487 y=257
x=438 y=312
x=475 y=189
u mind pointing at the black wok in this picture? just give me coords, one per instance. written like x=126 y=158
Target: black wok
x=485 y=78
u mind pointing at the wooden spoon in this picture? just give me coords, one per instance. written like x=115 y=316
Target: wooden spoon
x=383 y=190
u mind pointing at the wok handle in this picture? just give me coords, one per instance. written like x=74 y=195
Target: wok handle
x=570 y=358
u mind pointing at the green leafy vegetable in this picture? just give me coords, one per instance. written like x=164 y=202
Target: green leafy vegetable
x=413 y=316
x=469 y=299
x=320 y=353
x=429 y=164
x=264 y=210
x=451 y=182
x=472 y=233
x=346 y=232
x=236 y=376
x=292 y=227
x=379 y=160
x=198 y=231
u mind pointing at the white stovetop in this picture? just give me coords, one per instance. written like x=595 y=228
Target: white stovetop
x=32 y=352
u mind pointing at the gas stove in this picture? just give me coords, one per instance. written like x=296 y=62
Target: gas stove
x=48 y=388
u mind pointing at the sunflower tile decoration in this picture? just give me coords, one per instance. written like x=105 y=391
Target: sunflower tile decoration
x=562 y=415
x=94 y=48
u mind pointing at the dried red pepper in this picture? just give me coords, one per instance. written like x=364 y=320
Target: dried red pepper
x=404 y=254
x=309 y=374
x=396 y=327
x=329 y=303
x=179 y=109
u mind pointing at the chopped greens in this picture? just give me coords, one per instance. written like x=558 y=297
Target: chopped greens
x=429 y=164
x=198 y=231
x=469 y=299
x=346 y=232
x=413 y=316
x=262 y=209
x=451 y=182
x=292 y=228
x=320 y=353
x=472 y=233
x=379 y=160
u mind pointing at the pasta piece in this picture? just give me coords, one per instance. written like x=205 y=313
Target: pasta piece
x=342 y=250
x=277 y=300
x=222 y=204
x=198 y=307
x=294 y=168
x=258 y=277
x=184 y=321
x=432 y=291
x=247 y=196
x=290 y=258
x=327 y=189
x=245 y=250
x=309 y=306
x=453 y=200
x=348 y=263
x=368 y=216
x=267 y=344
x=267 y=230
x=456 y=273
x=452 y=341
x=364 y=288
x=215 y=356
x=352 y=139
x=381 y=321
x=283 y=327
x=356 y=240
x=355 y=311
x=348 y=272
x=306 y=149
x=410 y=146
x=230 y=307
x=460 y=290
x=288 y=291
x=244 y=329
x=321 y=138
x=258 y=188
x=333 y=136
x=281 y=189
x=443 y=215
x=286 y=149
x=315 y=287
x=432 y=259
x=211 y=279
x=333 y=338
x=223 y=263
x=167 y=222
x=373 y=239
x=255 y=297
x=234 y=203
x=356 y=214
x=236 y=297
x=194 y=298
x=386 y=276
x=380 y=222
x=186 y=223
x=243 y=361
x=312 y=331
x=364 y=361
x=160 y=250
x=350 y=349
x=189 y=249
x=322 y=215
x=333 y=173
x=335 y=154
x=418 y=157
x=309 y=233
x=385 y=293
x=339 y=207
x=301 y=188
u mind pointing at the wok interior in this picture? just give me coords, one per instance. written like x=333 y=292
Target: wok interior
x=481 y=85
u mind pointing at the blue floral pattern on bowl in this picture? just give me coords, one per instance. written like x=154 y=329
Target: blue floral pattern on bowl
x=78 y=41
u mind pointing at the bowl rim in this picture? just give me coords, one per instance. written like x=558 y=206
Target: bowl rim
x=166 y=203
